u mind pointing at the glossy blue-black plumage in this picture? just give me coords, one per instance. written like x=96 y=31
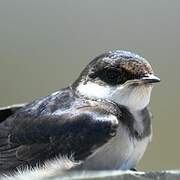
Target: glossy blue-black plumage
x=56 y=125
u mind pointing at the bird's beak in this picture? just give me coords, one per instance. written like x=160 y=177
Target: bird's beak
x=151 y=78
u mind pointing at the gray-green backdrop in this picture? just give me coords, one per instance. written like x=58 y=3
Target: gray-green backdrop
x=45 y=43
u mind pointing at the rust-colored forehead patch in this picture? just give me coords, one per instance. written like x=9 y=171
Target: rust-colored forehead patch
x=137 y=68
x=131 y=62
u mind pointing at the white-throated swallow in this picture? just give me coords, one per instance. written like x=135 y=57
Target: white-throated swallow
x=102 y=119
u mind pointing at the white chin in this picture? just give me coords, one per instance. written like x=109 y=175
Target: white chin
x=135 y=98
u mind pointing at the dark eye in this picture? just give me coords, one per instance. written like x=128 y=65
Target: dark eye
x=112 y=75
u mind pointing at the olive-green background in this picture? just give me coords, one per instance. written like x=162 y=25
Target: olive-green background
x=44 y=44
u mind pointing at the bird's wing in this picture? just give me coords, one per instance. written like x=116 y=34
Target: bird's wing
x=31 y=140
x=5 y=112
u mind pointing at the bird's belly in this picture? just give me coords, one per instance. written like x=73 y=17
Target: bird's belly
x=121 y=152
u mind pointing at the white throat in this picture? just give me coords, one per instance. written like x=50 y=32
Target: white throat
x=135 y=98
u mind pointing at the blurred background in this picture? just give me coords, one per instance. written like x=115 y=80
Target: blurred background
x=45 y=44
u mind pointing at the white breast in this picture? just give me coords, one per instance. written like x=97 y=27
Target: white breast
x=121 y=152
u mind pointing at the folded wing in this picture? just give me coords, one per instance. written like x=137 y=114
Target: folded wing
x=31 y=140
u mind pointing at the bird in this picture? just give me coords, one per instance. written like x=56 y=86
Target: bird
x=101 y=121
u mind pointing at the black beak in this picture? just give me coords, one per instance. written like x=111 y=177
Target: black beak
x=151 y=78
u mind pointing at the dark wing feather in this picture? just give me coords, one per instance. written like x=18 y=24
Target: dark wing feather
x=31 y=140
x=5 y=112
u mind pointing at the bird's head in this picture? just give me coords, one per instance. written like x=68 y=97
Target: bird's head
x=119 y=76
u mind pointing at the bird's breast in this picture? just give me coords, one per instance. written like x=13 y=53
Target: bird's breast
x=121 y=152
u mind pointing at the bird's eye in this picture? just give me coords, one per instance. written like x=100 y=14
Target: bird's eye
x=112 y=74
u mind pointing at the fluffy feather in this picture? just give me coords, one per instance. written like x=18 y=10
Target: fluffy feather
x=56 y=167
